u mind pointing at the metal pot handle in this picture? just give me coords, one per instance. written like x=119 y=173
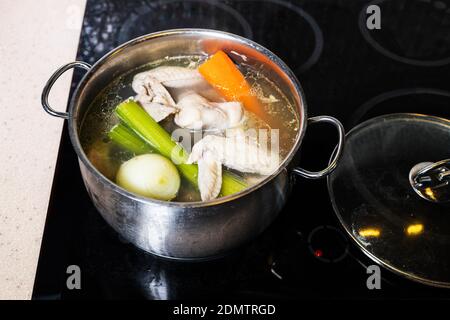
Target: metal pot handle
x=337 y=154
x=52 y=80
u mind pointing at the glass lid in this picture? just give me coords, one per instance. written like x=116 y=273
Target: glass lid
x=376 y=204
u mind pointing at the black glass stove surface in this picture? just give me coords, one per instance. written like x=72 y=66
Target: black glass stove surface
x=346 y=70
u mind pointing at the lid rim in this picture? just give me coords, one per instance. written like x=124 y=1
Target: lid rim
x=373 y=257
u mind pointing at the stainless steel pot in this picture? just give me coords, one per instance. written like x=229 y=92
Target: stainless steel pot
x=191 y=230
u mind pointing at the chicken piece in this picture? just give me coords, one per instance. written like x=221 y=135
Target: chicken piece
x=237 y=152
x=174 y=77
x=154 y=98
x=156 y=110
x=178 y=80
x=195 y=112
x=209 y=176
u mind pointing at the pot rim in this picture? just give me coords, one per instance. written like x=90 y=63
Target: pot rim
x=187 y=31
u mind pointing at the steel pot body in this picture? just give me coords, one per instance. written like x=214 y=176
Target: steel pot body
x=191 y=230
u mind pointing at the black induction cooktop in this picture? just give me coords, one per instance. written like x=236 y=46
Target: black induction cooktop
x=347 y=71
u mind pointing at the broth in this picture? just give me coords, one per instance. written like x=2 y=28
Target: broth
x=107 y=157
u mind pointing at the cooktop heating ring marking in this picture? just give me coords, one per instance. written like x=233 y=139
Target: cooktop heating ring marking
x=246 y=28
x=318 y=36
x=366 y=34
x=368 y=105
x=329 y=228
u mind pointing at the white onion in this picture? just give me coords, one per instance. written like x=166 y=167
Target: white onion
x=149 y=175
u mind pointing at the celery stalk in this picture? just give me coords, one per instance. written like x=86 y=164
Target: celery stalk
x=138 y=120
x=231 y=184
x=127 y=139
x=147 y=129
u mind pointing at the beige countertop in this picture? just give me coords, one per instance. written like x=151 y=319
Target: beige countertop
x=36 y=38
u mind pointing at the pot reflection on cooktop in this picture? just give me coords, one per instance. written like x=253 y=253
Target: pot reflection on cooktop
x=415 y=32
x=113 y=268
x=279 y=264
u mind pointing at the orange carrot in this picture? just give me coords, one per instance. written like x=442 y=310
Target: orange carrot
x=221 y=72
